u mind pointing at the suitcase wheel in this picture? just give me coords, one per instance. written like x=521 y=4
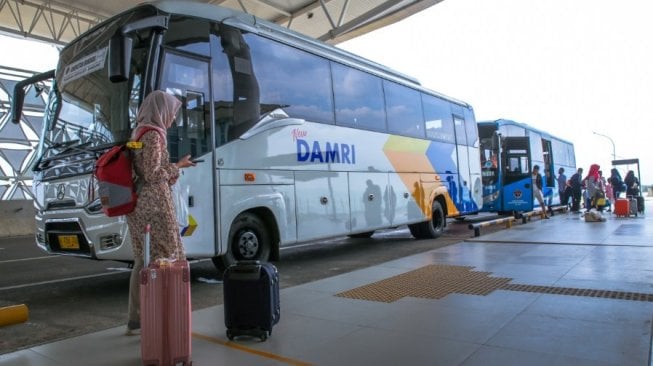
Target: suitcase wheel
x=263 y=336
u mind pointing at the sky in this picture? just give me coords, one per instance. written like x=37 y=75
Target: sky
x=27 y=54
x=567 y=67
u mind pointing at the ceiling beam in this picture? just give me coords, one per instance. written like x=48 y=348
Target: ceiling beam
x=59 y=22
x=383 y=15
x=50 y=21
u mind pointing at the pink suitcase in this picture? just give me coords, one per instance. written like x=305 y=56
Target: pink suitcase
x=165 y=312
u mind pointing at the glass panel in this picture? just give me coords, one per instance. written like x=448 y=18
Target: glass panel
x=188 y=34
x=536 y=146
x=223 y=87
x=293 y=80
x=439 y=124
x=512 y=130
x=517 y=165
x=358 y=98
x=188 y=78
x=459 y=125
x=471 y=128
x=404 y=110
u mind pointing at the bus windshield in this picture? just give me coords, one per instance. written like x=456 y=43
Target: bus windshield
x=85 y=111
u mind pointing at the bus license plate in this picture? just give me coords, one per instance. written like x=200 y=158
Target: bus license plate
x=68 y=242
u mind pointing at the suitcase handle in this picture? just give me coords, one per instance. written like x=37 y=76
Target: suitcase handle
x=146 y=252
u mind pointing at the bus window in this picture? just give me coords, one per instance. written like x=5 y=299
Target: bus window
x=517 y=165
x=511 y=130
x=461 y=135
x=358 y=98
x=291 y=79
x=537 y=154
x=188 y=34
x=437 y=113
x=186 y=77
x=471 y=129
x=404 y=110
x=223 y=87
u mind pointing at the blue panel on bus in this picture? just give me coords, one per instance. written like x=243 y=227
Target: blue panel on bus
x=518 y=196
x=467 y=203
x=442 y=157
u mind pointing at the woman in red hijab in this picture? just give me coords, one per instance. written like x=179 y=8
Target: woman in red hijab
x=593 y=184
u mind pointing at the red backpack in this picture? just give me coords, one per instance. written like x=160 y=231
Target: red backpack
x=115 y=180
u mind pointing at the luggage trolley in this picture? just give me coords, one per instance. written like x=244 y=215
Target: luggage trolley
x=640 y=198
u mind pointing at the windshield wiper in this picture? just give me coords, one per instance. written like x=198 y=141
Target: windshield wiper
x=79 y=147
x=44 y=162
x=63 y=144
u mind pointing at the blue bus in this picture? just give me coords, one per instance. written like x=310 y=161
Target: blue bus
x=509 y=150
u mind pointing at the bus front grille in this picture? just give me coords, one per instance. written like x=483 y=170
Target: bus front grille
x=58 y=205
x=66 y=238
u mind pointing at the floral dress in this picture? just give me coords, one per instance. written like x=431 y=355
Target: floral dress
x=155 y=206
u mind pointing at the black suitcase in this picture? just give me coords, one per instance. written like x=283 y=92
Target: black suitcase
x=251 y=299
x=640 y=204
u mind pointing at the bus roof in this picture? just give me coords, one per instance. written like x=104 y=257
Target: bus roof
x=293 y=38
x=271 y=30
x=503 y=122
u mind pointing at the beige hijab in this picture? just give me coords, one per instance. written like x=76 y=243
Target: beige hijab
x=157 y=112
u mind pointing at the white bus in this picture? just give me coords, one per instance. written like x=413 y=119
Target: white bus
x=300 y=140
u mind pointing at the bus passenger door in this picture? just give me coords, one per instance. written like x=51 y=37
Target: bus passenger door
x=490 y=172
x=517 y=190
x=463 y=196
x=187 y=77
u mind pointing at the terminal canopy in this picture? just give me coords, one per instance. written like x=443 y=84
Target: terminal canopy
x=331 y=21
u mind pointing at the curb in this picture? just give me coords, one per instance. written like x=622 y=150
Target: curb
x=13 y=314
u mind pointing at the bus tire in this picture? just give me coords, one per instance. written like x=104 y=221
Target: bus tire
x=415 y=230
x=364 y=235
x=249 y=239
x=433 y=228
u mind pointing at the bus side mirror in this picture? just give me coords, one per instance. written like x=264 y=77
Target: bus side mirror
x=19 y=93
x=120 y=55
x=17 y=103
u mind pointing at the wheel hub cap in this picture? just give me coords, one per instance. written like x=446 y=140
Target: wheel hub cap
x=248 y=244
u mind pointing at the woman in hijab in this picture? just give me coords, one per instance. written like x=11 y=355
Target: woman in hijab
x=632 y=184
x=155 y=175
x=616 y=182
x=593 y=184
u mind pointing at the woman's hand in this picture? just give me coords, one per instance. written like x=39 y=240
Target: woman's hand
x=185 y=162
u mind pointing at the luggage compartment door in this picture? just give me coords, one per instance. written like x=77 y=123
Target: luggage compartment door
x=322 y=199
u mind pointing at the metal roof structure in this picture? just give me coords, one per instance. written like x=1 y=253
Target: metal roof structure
x=332 y=21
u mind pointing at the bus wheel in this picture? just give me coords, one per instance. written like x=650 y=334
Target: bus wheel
x=249 y=239
x=430 y=229
x=362 y=235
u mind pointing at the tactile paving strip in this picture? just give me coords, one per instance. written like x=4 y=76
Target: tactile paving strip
x=436 y=281
x=606 y=294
